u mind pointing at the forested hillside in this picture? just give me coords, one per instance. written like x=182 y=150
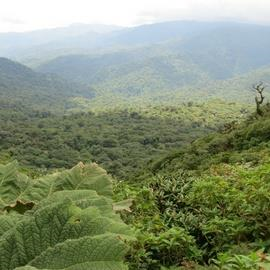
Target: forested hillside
x=22 y=87
x=130 y=73
x=141 y=77
x=140 y=148
x=207 y=204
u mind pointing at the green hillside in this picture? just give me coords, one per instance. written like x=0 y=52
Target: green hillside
x=229 y=50
x=130 y=78
x=247 y=142
x=207 y=205
x=236 y=89
x=22 y=87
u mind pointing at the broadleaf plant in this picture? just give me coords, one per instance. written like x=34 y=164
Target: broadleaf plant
x=62 y=221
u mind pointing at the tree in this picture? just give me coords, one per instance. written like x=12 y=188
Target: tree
x=259 y=88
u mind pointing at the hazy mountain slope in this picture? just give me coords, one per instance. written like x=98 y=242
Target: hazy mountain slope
x=35 y=47
x=207 y=52
x=21 y=85
x=238 y=87
x=159 y=32
x=91 y=36
x=138 y=36
x=20 y=44
x=229 y=51
x=85 y=68
x=128 y=72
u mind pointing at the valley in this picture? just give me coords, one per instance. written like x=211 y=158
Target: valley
x=140 y=144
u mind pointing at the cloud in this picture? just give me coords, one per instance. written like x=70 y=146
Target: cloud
x=12 y=20
x=24 y=15
x=256 y=11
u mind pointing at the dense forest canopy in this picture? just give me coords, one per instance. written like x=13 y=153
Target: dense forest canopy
x=122 y=141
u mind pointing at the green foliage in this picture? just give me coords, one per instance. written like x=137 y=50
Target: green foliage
x=247 y=142
x=242 y=262
x=122 y=141
x=224 y=207
x=233 y=205
x=169 y=247
x=60 y=221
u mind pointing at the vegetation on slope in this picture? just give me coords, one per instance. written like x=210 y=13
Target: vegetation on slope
x=245 y=142
x=186 y=221
x=206 y=207
x=220 y=50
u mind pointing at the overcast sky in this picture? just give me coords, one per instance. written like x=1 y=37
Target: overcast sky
x=24 y=15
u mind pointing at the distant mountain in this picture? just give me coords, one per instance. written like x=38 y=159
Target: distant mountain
x=206 y=55
x=21 y=86
x=39 y=46
x=157 y=62
x=228 y=50
x=28 y=44
x=99 y=35
x=160 y=32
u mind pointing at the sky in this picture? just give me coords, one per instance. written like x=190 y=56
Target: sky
x=26 y=15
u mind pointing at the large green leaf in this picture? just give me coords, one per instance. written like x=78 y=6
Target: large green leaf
x=7 y=222
x=17 y=188
x=49 y=226
x=100 y=252
x=81 y=177
x=72 y=225
x=12 y=185
x=90 y=177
